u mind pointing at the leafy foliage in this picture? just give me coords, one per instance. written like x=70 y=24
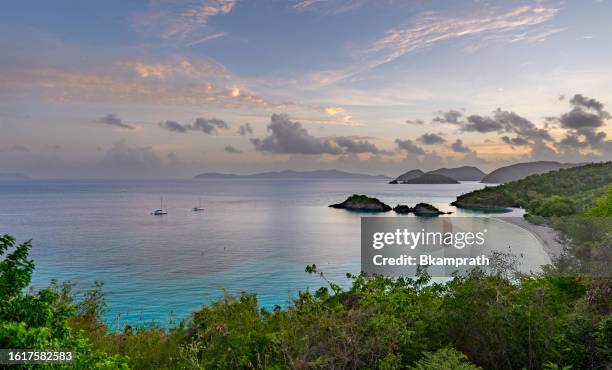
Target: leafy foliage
x=603 y=206
x=481 y=320
x=444 y=359
x=557 y=193
x=396 y=323
x=39 y=320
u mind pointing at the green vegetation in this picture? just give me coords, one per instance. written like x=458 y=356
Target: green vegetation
x=603 y=205
x=40 y=320
x=575 y=201
x=493 y=320
x=559 y=193
x=497 y=319
x=363 y=203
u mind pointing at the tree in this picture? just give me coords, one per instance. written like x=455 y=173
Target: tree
x=556 y=206
x=603 y=206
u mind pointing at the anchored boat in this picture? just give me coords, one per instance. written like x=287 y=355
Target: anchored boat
x=199 y=208
x=160 y=211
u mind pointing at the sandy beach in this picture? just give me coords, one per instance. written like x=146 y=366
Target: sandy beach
x=548 y=237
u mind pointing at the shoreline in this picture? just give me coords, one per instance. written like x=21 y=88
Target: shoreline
x=547 y=236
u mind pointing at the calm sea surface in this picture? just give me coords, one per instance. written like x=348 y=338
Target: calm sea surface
x=254 y=235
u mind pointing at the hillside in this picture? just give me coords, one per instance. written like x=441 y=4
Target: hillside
x=561 y=192
x=216 y=175
x=410 y=175
x=464 y=173
x=290 y=174
x=432 y=178
x=521 y=170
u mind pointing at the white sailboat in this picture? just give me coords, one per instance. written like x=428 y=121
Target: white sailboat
x=160 y=211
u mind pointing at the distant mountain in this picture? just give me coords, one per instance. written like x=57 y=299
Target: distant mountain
x=13 y=176
x=290 y=174
x=521 y=170
x=216 y=175
x=464 y=173
x=432 y=178
x=410 y=175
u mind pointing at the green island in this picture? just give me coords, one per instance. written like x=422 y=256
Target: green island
x=497 y=319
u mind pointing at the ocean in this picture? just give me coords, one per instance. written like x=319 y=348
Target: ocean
x=255 y=235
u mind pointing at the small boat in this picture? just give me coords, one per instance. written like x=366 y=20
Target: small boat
x=160 y=211
x=199 y=208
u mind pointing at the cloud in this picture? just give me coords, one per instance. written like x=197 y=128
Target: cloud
x=122 y=157
x=415 y=122
x=526 y=129
x=206 y=125
x=178 y=81
x=306 y=4
x=572 y=141
x=525 y=132
x=231 y=149
x=586 y=116
x=177 y=69
x=430 y=29
x=431 y=139
x=581 y=101
x=209 y=126
x=582 y=124
x=204 y=39
x=245 y=129
x=508 y=122
x=181 y=21
x=328 y=6
x=514 y=141
x=476 y=123
x=579 y=118
x=339 y=113
x=112 y=120
x=538 y=34
x=287 y=137
x=409 y=147
x=459 y=147
x=351 y=145
x=583 y=139
x=452 y=116
x=173 y=126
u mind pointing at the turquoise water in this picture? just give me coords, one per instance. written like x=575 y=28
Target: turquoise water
x=254 y=235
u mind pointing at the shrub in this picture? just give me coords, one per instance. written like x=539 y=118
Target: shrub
x=556 y=206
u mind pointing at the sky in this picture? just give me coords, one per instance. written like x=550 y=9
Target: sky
x=170 y=89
